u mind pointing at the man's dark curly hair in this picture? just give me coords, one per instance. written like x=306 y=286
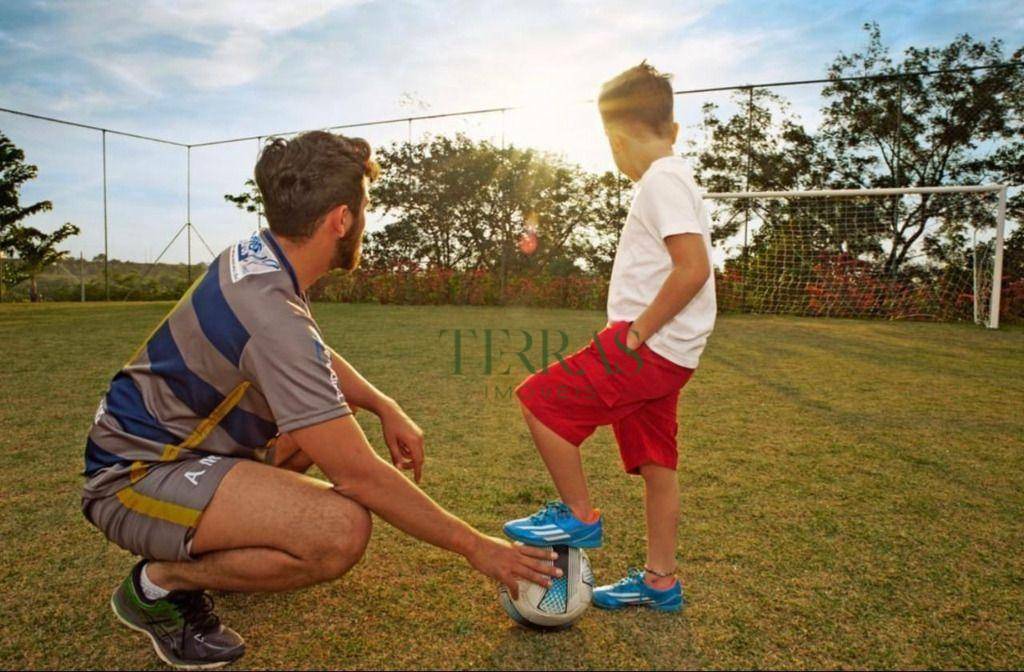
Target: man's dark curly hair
x=640 y=95
x=304 y=178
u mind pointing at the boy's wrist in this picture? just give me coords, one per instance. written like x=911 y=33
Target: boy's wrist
x=634 y=336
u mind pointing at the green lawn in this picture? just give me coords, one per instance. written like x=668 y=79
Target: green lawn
x=853 y=496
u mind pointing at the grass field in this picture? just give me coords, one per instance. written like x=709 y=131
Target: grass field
x=853 y=496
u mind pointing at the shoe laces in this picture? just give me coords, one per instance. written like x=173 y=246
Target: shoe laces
x=633 y=575
x=554 y=510
x=196 y=609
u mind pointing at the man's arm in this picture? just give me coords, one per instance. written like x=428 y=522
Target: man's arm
x=342 y=452
x=691 y=269
x=358 y=391
x=403 y=437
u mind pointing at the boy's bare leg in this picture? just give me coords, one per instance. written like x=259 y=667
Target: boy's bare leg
x=565 y=465
x=661 y=497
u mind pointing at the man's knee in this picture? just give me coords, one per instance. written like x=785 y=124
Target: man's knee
x=343 y=540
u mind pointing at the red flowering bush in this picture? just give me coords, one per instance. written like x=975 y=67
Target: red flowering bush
x=1011 y=307
x=836 y=286
x=438 y=286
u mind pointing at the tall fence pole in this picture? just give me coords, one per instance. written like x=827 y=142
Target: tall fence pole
x=188 y=210
x=899 y=127
x=259 y=211
x=975 y=269
x=897 y=142
x=746 y=187
x=106 y=246
x=997 y=269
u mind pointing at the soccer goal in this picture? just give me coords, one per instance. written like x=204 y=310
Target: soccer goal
x=932 y=253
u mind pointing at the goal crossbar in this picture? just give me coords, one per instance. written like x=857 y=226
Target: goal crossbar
x=886 y=191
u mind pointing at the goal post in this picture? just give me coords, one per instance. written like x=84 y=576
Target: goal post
x=997 y=269
x=932 y=253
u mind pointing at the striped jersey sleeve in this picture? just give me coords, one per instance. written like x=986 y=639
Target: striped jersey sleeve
x=291 y=366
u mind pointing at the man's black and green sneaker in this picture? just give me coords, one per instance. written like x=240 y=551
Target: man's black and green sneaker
x=182 y=626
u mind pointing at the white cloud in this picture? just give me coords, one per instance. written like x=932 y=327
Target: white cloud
x=241 y=57
x=7 y=38
x=196 y=17
x=226 y=41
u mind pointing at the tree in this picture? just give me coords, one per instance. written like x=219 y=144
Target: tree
x=763 y=147
x=36 y=251
x=249 y=200
x=453 y=203
x=910 y=129
x=900 y=129
x=14 y=172
x=433 y=194
x=608 y=195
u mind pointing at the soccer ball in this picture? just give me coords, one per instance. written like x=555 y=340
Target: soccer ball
x=560 y=605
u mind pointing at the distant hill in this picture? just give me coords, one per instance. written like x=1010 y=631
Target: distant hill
x=133 y=280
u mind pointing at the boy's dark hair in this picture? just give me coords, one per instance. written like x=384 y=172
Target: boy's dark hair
x=304 y=178
x=640 y=95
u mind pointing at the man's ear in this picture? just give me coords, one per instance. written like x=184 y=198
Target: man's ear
x=675 y=132
x=340 y=220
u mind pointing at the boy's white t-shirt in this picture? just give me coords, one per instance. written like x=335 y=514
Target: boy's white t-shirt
x=667 y=202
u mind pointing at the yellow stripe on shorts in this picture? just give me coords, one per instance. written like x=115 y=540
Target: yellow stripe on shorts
x=154 y=508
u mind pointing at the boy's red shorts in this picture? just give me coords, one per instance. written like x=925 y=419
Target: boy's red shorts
x=636 y=392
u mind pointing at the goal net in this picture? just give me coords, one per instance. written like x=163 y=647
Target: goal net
x=930 y=253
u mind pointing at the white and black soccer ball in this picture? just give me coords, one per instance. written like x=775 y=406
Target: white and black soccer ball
x=560 y=605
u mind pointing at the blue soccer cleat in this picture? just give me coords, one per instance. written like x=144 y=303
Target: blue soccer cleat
x=555 y=524
x=633 y=591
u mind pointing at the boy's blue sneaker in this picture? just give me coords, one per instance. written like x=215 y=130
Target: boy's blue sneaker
x=633 y=591
x=555 y=524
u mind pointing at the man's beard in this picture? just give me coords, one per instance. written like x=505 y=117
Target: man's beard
x=348 y=250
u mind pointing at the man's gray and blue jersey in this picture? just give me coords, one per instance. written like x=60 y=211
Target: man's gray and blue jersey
x=236 y=362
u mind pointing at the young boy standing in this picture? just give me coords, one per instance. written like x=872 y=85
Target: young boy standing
x=661 y=310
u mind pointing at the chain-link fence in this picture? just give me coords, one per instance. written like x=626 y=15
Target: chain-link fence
x=152 y=210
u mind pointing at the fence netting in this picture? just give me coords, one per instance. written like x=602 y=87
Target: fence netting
x=924 y=255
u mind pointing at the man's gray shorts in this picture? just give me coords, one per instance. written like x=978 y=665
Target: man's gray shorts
x=155 y=514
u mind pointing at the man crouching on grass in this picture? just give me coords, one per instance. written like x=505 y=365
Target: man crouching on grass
x=181 y=463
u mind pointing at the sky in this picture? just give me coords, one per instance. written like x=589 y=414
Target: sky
x=198 y=71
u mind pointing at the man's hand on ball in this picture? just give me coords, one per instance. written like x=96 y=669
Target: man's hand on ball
x=510 y=564
x=404 y=439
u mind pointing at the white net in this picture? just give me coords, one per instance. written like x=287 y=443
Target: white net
x=927 y=254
